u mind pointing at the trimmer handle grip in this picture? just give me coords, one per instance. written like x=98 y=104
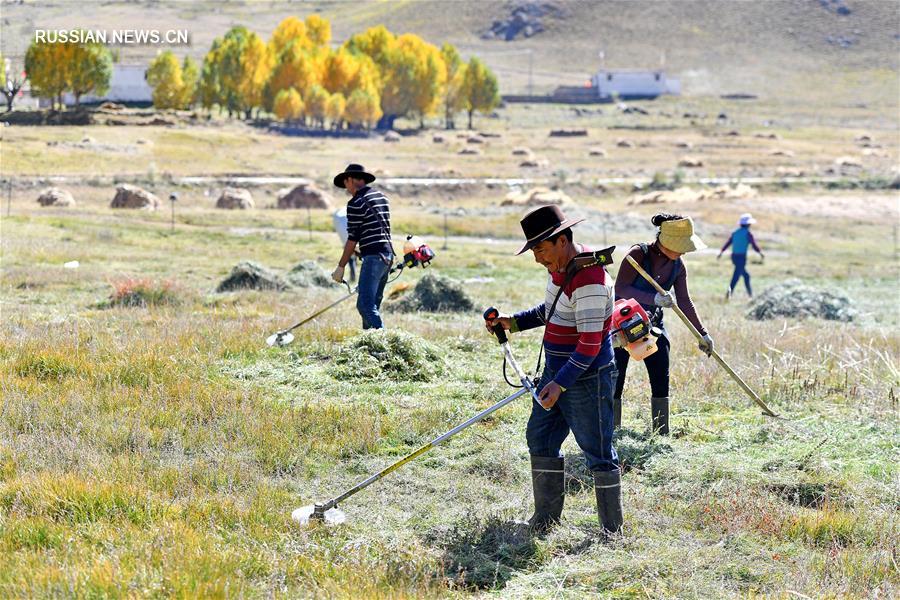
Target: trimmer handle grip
x=491 y=314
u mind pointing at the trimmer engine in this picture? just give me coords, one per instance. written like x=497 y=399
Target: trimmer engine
x=632 y=330
x=416 y=252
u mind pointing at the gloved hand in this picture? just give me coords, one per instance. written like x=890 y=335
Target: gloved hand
x=706 y=345
x=664 y=300
x=338 y=274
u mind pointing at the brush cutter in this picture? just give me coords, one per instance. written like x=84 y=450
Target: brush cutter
x=415 y=253
x=328 y=512
x=631 y=329
x=766 y=410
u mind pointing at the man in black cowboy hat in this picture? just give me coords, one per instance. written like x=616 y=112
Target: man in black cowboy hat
x=369 y=233
x=576 y=386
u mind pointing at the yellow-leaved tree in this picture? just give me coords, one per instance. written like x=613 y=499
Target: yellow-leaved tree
x=90 y=70
x=454 y=98
x=295 y=68
x=412 y=72
x=430 y=75
x=256 y=68
x=318 y=30
x=480 y=89
x=190 y=77
x=48 y=67
x=334 y=109
x=363 y=109
x=289 y=32
x=316 y=101
x=165 y=77
x=288 y=105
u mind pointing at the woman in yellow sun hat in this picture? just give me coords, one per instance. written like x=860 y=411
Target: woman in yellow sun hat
x=662 y=260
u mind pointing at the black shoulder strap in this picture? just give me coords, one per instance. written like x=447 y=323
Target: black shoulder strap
x=581 y=261
x=378 y=216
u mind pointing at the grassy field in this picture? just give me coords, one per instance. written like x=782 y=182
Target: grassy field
x=159 y=451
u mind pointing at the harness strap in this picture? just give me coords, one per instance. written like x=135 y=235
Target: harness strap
x=580 y=261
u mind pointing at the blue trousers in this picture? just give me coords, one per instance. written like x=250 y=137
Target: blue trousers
x=373 y=276
x=585 y=409
x=740 y=269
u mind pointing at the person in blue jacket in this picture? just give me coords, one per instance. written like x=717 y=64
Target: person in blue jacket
x=741 y=239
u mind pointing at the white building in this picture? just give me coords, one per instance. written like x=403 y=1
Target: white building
x=127 y=84
x=634 y=84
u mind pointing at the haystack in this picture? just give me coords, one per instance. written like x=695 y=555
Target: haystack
x=794 y=299
x=304 y=195
x=308 y=273
x=131 y=196
x=235 y=199
x=434 y=293
x=56 y=197
x=248 y=275
x=691 y=162
x=538 y=196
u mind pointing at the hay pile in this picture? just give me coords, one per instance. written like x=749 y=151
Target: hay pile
x=795 y=299
x=389 y=355
x=686 y=194
x=538 y=196
x=309 y=274
x=248 y=275
x=434 y=293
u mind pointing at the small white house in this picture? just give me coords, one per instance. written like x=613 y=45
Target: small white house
x=634 y=84
x=127 y=84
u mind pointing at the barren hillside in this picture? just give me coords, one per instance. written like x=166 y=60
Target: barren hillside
x=814 y=50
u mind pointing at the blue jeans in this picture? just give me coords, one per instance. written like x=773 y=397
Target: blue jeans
x=740 y=269
x=373 y=276
x=585 y=409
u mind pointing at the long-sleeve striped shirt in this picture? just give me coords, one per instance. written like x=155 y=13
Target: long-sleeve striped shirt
x=369 y=222
x=576 y=340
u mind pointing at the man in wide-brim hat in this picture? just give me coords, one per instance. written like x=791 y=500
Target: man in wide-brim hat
x=576 y=386
x=369 y=234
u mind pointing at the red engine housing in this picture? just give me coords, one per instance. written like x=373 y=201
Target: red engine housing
x=632 y=330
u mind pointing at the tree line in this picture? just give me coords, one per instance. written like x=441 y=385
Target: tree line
x=372 y=79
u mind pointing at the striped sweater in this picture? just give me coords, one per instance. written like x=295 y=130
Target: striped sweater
x=369 y=222
x=576 y=340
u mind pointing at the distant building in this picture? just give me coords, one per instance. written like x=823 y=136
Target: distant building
x=127 y=84
x=633 y=85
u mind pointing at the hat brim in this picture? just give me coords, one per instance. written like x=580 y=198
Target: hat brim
x=682 y=244
x=339 y=178
x=561 y=227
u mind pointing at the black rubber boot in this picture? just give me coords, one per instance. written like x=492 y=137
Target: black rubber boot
x=659 y=408
x=608 y=489
x=548 y=477
x=617 y=413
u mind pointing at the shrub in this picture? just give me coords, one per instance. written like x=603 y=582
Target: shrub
x=143 y=292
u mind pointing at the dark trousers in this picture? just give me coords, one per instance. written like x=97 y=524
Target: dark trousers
x=586 y=410
x=373 y=276
x=740 y=269
x=657 y=369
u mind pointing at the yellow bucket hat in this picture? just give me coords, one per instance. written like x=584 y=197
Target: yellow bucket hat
x=679 y=236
